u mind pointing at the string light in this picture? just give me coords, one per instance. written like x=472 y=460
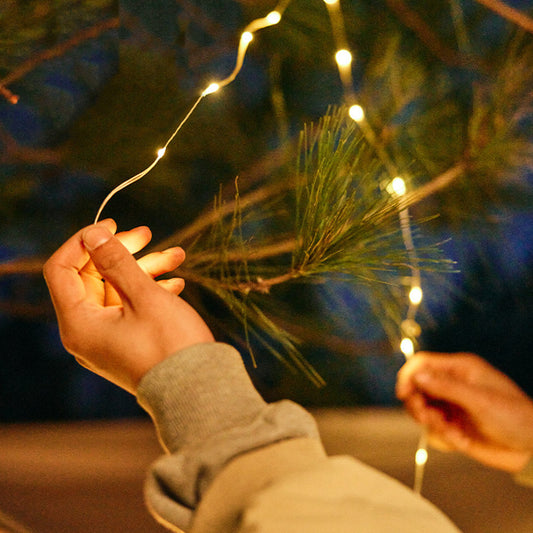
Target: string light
x=397 y=186
x=415 y=295
x=247 y=36
x=356 y=113
x=407 y=347
x=213 y=88
x=343 y=58
x=273 y=17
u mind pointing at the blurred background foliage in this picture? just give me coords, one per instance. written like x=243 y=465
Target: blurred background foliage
x=101 y=86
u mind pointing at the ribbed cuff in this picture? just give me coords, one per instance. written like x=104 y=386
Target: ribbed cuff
x=198 y=392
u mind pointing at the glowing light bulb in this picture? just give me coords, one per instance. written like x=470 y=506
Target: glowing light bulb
x=330 y=2
x=273 y=17
x=161 y=152
x=247 y=37
x=407 y=347
x=415 y=295
x=214 y=87
x=421 y=456
x=343 y=58
x=398 y=186
x=356 y=113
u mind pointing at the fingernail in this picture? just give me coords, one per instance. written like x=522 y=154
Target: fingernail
x=95 y=236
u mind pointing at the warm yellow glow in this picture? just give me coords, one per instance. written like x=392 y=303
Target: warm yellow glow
x=421 y=456
x=247 y=37
x=273 y=17
x=161 y=152
x=415 y=295
x=343 y=58
x=330 y=2
x=407 y=347
x=356 y=113
x=211 y=89
x=398 y=186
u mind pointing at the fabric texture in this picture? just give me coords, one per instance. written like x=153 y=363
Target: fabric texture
x=236 y=464
x=525 y=477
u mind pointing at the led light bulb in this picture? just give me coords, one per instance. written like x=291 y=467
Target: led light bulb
x=398 y=186
x=343 y=58
x=247 y=37
x=273 y=17
x=161 y=152
x=421 y=456
x=356 y=113
x=407 y=347
x=415 y=295
x=214 y=87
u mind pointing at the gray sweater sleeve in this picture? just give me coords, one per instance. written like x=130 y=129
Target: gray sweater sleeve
x=206 y=412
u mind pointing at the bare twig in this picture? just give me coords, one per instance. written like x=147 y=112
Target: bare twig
x=264 y=252
x=435 y=185
x=56 y=51
x=26 y=265
x=8 y=95
x=15 y=153
x=509 y=13
x=416 y=23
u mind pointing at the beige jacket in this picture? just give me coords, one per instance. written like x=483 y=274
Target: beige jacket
x=237 y=464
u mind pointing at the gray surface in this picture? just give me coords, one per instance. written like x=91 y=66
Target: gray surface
x=87 y=477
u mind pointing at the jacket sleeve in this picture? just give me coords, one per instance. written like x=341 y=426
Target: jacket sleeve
x=525 y=477
x=236 y=464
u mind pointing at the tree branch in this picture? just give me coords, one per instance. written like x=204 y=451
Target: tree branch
x=55 y=51
x=15 y=153
x=510 y=13
x=424 y=32
x=26 y=265
x=435 y=185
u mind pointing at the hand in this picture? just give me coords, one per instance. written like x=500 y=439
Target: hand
x=469 y=406
x=113 y=317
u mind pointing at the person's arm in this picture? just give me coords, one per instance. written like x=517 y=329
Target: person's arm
x=469 y=406
x=234 y=463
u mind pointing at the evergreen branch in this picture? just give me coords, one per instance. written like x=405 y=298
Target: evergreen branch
x=509 y=13
x=208 y=218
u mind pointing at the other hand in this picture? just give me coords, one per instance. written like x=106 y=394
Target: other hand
x=469 y=406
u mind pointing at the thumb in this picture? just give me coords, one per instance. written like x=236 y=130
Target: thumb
x=116 y=264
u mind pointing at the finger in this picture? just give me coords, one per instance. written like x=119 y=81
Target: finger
x=159 y=263
x=61 y=271
x=134 y=240
x=154 y=265
x=173 y=285
x=452 y=390
x=117 y=266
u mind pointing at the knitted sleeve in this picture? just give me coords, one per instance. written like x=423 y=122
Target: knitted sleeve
x=206 y=412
